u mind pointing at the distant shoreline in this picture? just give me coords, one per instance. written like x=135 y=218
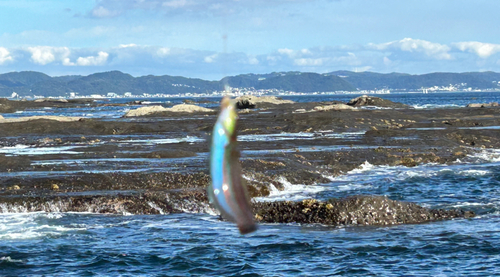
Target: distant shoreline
x=115 y=83
x=220 y=94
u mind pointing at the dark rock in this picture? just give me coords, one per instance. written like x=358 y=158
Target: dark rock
x=193 y=201
x=354 y=210
x=11 y=163
x=245 y=104
x=366 y=100
x=250 y=101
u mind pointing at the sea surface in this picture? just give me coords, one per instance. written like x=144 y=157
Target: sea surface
x=82 y=244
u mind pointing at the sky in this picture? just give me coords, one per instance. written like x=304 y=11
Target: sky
x=210 y=39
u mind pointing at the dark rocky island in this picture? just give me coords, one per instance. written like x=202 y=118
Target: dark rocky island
x=398 y=135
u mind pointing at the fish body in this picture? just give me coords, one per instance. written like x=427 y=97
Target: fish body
x=227 y=192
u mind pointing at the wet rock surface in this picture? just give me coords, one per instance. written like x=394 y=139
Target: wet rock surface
x=366 y=100
x=160 y=164
x=250 y=101
x=10 y=106
x=354 y=210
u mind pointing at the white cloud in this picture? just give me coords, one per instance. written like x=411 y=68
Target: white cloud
x=43 y=55
x=387 y=61
x=112 y=8
x=102 y=12
x=211 y=58
x=309 y=62
x=483 y=50
x=306 y=52
x=431 y=49
x=5 y=55
x=164 y=51
x=127 y=45
x=100 y=59
x=315 y=58
x=363 y=68
x=286 y=51
x=407 y=55
x=253 y=60
x=67 y=62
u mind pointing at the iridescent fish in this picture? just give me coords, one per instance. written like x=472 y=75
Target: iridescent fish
x=227 y=193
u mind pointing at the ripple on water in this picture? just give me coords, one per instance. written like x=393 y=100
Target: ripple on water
x=196 y=244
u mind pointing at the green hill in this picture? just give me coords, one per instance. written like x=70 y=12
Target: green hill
x=29 y=83
x=399 y=81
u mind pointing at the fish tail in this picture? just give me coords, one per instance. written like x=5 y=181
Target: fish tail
x=247 y=228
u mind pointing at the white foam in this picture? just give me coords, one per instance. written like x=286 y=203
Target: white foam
x=345 y=134
x=374 y=108
x=474 y=204
x=349 y=187
x=274 y=137
x=21 y=149
x=366 y=174
x=8 y=259
x=436 y=106
x=154 y=102
x=154 y=206
x=427 y=128
x=300 y=136
x=474 y=172
x=21 y=226
x=188 y=207
x=292 y=192
x=362 y=168
x=488 y=155
x=165 y=141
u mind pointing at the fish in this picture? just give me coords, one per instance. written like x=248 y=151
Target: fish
x=227 y=193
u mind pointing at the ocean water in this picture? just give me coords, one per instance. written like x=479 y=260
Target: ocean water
x=82 y=244
x=112 y=111
x=417 y=100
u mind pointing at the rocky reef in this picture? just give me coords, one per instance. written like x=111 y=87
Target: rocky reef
x=354 y=210
x=158 y=164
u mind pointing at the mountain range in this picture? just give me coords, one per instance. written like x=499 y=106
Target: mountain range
x=29 y=83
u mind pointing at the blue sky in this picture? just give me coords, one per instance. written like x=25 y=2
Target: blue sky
x=186 y=37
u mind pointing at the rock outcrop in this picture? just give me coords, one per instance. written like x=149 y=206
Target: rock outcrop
x=335 y=107
x=250 y=101
x=184 y=108
x=484 y=105
x=354 y=210
x=366 y=100
x=39 y=117
x=188 y=108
